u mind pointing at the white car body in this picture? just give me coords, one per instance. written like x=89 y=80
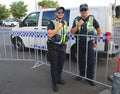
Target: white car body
x=32 y=33
x=10 y=22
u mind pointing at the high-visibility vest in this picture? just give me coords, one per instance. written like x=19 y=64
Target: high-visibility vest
x=62 y=32
x=90 y=27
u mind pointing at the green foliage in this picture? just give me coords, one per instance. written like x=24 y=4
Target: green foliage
x=117 y=10
x=18 y=9
x=4 y=13
x=48 y=3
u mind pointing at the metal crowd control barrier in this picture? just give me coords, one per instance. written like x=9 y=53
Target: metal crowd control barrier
x=8 y=52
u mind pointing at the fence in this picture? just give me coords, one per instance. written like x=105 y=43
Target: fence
x=8 y=52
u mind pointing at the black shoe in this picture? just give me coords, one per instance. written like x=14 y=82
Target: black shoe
x=91 y=82
x=78 y=78
x=61 y=82
x=55 y=88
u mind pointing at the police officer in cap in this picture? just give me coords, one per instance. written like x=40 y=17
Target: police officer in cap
x=57 y=37
x=85 y=25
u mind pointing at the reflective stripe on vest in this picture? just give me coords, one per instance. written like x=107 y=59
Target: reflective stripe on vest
x=90 y=27
x=62 y=31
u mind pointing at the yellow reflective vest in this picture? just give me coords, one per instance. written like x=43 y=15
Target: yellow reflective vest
x=62 y=32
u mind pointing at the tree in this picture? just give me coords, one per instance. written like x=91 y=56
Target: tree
x=117 y=11
x=48 y=4
x=18 y=9
x=4 y=12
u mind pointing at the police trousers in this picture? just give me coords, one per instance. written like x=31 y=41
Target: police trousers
x=90 y=56
x=56 y=55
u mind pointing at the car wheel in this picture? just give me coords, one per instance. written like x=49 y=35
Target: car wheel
x=4 y=25
x=19 y=45
x=12 y=25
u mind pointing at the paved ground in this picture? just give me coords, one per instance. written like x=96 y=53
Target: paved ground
x=105 y=92
x=19 y=78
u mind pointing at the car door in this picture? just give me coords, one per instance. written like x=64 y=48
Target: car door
x=29 y=29
x=46 y=17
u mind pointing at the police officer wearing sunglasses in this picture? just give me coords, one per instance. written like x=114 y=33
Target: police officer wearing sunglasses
x=57 y=37
x=85 y=26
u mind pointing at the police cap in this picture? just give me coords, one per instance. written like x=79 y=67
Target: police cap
x=83 y=6
x=58 y=8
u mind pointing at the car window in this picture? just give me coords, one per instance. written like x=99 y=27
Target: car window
x=6 y=20
x=12 y=20
x=31 y=20
x=50 y=15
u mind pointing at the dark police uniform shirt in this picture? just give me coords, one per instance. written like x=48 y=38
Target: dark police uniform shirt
x=83 y=30
x=50 y=25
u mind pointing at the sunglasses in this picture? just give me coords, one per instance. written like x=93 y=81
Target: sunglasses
x=83 y=10
x=59 y=12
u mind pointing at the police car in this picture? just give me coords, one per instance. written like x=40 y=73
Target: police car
x=32 y=31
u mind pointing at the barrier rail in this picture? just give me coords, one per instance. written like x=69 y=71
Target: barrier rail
x=8 y=52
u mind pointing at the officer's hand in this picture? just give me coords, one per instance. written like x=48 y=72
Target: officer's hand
x=94 y=44
x=80 y=22
x=59 y=25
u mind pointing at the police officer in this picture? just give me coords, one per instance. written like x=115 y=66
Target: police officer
x=57 y=37
x=85 y=25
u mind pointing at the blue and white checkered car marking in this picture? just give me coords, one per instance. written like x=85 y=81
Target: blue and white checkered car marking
x=102 y=38
x=42 y=34
x=30 y=34
x=34 y=34
x=72 y=37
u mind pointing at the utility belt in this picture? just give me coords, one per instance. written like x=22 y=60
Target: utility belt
x=81 y=42
x=55 y=44
x=57 y=39
x=84 y=39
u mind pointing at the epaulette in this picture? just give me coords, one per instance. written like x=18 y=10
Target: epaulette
x=77 y=18
x=91 y=16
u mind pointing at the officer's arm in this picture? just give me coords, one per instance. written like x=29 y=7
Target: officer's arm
x=52 y=32
x=97 y=27
x=73 y=30
x=76 y=27
x=99 y=31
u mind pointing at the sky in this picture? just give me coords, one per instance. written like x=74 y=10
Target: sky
x=65 y=3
